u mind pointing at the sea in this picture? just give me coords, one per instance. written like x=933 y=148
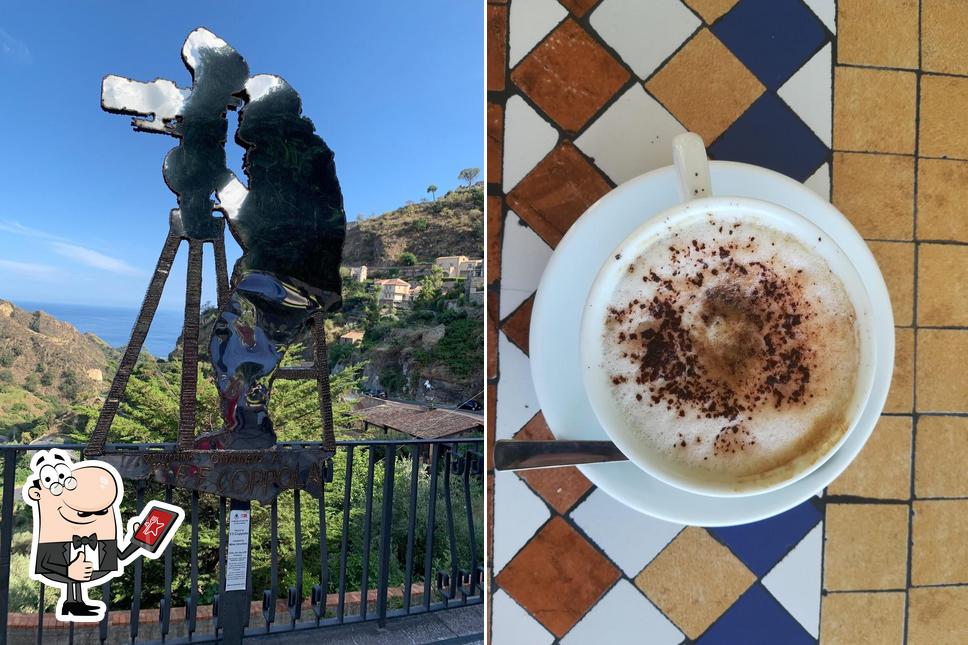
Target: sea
x=114 y=324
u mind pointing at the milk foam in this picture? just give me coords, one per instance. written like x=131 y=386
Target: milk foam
x=734 y=349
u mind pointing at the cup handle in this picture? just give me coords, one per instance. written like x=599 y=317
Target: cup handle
x=692 y=166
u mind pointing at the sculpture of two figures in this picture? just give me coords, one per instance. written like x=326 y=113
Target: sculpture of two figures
x=288 y=220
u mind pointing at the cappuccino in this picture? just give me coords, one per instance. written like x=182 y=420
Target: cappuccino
x=732 y=348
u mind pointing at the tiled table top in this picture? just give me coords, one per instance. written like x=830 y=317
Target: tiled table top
x=864 y=101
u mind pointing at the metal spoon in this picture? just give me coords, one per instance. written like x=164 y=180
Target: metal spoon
x=523 y=455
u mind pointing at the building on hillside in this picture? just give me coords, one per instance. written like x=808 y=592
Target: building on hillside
x=393 y=291
x=474 y=283
x=358 y=274
x=450 y=264
x=354 y=337
x=468 y=266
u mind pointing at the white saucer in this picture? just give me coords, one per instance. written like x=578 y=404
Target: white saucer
x=556 y=319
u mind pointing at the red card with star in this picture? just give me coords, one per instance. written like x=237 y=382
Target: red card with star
x=156 y=525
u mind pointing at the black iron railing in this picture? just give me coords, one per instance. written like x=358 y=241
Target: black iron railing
x=341 y=560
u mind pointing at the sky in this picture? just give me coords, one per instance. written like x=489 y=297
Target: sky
x=396 y=90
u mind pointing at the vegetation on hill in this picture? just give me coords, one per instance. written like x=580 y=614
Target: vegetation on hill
x=46 y=366
x=452 y=224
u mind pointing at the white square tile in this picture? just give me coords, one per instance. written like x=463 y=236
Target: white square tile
x=527 y=139
x=632 y=137
x=523 y=259
x=809 y=93
x=819 y=182
x=643 y=33
x=516 y=400
x=631 y=539
x=795 y=580
x=518 y=513
x=529 y=22
x=512 y=625
x=623 y=615
x=826 y=10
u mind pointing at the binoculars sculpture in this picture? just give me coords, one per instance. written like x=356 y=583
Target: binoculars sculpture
x=288 y=219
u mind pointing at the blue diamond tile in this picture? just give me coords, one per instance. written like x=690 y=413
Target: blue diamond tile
x=769 y=134
x=762 y=544
x=773 y=38
x=756 y=619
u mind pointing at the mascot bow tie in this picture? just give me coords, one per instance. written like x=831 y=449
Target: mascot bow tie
x=85 y=540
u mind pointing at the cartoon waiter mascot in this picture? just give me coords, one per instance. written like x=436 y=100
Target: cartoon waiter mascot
x=77 y=517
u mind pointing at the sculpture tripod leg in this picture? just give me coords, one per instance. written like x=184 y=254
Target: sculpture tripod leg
x=149 y=306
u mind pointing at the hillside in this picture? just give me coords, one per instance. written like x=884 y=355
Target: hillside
x=46 y=365
x=451 y=225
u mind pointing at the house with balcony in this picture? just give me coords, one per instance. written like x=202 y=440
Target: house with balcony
x=394 y=292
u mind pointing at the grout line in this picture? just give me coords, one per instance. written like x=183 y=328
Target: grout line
x=910 y=70
x=914 y=320
x=830 y=197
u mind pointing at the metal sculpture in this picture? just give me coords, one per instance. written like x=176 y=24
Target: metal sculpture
x=290 y=224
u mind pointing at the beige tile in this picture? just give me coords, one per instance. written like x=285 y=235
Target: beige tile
x=896 y=260
x=940 y=533
x=943 y=117
x=943 y=285
x=862 y=619
x=876 y=193
x=938 y=616
x=944 y=48
x=941 y=382
x=942 y=197
x=866 y=547
x=711 y=10
x=705 y=103
x=694 y=580
x=900 y=398
x=883 y=33
x=939 y=464
x=883 y=468
x=874 y=110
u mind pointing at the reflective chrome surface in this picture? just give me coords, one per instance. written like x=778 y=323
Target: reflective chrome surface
x=288 y=220
x=291 y=223
x=263 y=316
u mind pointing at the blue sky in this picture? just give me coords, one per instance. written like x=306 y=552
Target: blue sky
x=395 y=89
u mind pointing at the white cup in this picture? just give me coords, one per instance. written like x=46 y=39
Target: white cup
x=692 y=166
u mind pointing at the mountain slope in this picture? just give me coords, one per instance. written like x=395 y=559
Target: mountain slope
x=451 y=225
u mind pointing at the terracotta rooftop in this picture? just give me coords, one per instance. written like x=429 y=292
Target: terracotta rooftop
x=419 y=422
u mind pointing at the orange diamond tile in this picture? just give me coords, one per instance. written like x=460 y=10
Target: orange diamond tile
x=570 y=76
x=518 y=324
x=497 y=46
x=560 y=487
x=578 y=7
x=705 y=86
x=495 y=134
x=492 y=338
x=495 y=220
x=557 y=191
x=489 y=406
x=535 y=430
x=557 y=576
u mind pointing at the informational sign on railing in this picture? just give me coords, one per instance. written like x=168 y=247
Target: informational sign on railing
x=237 y=554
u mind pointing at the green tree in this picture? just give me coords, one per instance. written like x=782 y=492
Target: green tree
x=430 y=285
x=407 y=259
x=469 y=175
x=432 y=189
